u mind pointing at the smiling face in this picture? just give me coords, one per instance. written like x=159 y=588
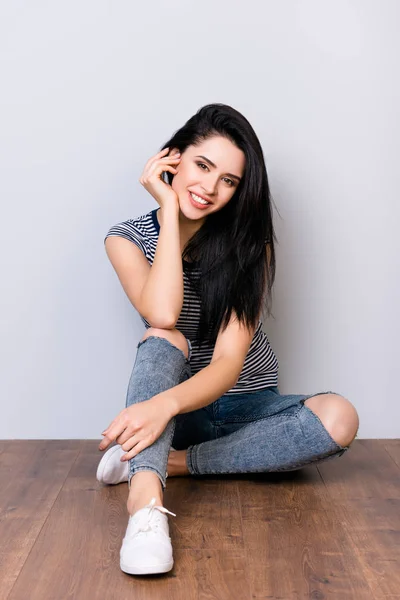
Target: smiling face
x=212 y=171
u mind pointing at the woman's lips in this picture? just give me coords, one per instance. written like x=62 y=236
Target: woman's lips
x=197 y=204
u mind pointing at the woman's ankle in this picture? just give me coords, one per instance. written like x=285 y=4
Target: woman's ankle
x=144 y=486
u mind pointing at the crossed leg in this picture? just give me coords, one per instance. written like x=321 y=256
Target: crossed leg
x=338 y=416
x=336 y=413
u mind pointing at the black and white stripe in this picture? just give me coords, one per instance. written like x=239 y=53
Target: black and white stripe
x=260 y=368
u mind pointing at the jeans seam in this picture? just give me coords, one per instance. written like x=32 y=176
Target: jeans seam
x=338 y=453
x=190 y=461
x=255 y=418
x=153 y=469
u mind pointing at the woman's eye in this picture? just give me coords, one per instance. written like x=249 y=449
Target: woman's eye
x=226 y=179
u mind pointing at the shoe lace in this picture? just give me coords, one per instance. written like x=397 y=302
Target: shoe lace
x=146 y=522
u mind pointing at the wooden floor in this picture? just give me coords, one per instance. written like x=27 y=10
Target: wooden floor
x=329 y=531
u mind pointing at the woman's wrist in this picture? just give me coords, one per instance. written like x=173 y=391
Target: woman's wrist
x=168 y=402
x=169 y=214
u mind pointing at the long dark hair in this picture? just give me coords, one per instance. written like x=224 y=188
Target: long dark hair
x=230 y=247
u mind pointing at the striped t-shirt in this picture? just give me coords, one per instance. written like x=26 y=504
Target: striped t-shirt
x=260 y=368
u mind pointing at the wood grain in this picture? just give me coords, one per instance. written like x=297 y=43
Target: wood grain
x=325 y=531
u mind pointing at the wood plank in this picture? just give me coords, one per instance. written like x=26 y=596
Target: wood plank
x=364 y=471
x=392 y=447
x=82 y=536
x=208 y=511
x=366 y=501
x=32 y=473
x=210 y=517
x=327 y=530
x=80 y=540
x=373 y=527
x=207 y=537
x=302 y=488
x=298 y=552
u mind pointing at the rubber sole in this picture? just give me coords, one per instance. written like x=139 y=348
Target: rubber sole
x=149 y=570
x=104 y=462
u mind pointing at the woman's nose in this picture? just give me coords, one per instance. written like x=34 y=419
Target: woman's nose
x=209 y=186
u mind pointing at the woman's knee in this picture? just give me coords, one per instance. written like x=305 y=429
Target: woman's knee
x=337 y=414
x=172 y=335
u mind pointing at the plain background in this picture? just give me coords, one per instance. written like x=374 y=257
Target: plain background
x=92 y=89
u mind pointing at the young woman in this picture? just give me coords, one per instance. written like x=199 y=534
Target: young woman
x=199 y=270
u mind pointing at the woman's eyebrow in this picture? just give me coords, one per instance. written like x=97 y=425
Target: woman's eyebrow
x=215 y=166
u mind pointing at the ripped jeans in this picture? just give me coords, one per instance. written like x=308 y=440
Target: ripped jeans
x=253 y=432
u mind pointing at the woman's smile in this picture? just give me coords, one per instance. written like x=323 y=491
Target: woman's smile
x=198 y=204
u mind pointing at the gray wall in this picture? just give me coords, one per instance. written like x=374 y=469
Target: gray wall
x=90 y=90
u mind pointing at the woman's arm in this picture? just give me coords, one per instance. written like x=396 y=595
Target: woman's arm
x=203 y=388
x=218 y=377
x=163 y=289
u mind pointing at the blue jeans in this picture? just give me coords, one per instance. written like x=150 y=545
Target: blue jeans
x=253 y=432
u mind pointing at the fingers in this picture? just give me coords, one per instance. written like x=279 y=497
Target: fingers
x=166 y=159
x=158 y=165
x=112 y=433
x=156 y=157
x=131 y=444
x=105 y=442
x=157 y=169
x=159 y=157
x=169 y=168
x=125 y=436
x=135 y=450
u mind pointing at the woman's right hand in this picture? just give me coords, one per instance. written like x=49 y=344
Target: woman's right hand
x=152 y=180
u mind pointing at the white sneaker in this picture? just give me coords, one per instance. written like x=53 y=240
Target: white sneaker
x=146 y=547
x=111 y=470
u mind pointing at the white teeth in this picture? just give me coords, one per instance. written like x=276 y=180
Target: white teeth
x=198 y=199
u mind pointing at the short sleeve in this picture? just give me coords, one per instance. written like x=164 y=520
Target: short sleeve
x=129 y=231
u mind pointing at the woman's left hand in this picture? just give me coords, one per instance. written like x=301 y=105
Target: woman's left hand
x=138 y=426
